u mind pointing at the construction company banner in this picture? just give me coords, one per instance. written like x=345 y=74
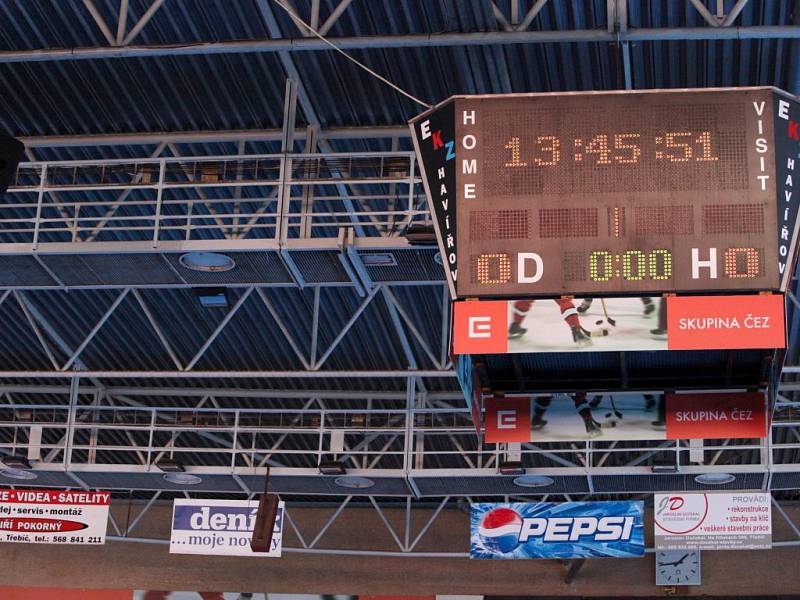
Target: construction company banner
x=219 y=527
x=53 y=516
x=619 y=324
x=617 y=417
x=724 y=521
x=716 y=416
x=557 y=530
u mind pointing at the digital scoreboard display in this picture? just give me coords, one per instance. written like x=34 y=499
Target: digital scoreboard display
x=543 y=195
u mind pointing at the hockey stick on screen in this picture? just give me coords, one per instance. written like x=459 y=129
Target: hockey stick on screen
x=617 y=413
x=602 y=332
x=611 y=321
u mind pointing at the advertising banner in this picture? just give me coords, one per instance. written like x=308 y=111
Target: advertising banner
x=48 y=593
x=724 y=521
x=716 y=416
x=508 y=420
x=219 y=527
x=471 y=388
x=557 y=530
x=619 y=324
x=615 y=417
x=53 y=516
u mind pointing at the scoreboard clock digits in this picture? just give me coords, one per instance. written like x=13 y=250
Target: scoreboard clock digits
x=631 y=265
x=615 y=148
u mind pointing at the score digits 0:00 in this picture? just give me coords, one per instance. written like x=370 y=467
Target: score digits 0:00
x=631 y=265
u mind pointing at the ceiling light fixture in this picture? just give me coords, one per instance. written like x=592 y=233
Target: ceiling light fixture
x=381 y=259
x=533 y=481
x=206 y=262
x=715 y=478
x=181 y=478
x=354 y=482
x=12 y=473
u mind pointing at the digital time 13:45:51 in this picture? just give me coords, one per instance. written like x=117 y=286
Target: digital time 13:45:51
x=609 y=149
x=495 y=268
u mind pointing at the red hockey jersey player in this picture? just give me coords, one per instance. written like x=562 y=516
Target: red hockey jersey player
x=580 y=336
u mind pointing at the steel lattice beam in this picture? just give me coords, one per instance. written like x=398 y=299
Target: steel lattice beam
x=439 y=40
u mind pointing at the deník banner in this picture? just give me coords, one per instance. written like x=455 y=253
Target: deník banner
x=222 y=527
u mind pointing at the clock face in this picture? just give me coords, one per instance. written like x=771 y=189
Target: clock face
x=678 y=567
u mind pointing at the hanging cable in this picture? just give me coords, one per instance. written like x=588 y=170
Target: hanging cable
x=300 y=21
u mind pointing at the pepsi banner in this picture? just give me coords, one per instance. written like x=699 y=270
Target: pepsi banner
x=557 y=530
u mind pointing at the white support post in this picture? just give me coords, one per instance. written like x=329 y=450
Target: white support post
x=531 y=15
x=142 y=22
x=696 y=451
x=74 y=388
x=162 y=338
x=159 y=196
x=330 y=522
x=285 y=330
x=500 y=17
x=39 y=200
x=231 y=313
x=334 y=16
x=307 y=206
x=314 y=22
x=101 y=23
x=314 y=327
x=122 y=22
x=735 y=11
x=707 y=16
x=37 y=332
x=346 y=328
x=96 y=328
x=287 y=147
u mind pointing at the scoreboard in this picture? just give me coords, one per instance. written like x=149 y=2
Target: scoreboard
x=543 y=195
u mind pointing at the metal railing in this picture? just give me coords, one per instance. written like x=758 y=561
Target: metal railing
x=218 y=197
x=420 y=439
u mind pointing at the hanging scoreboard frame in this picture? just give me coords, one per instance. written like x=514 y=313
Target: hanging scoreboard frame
x=659 y=191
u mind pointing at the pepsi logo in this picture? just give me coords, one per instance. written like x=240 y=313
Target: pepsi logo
x=499 y=530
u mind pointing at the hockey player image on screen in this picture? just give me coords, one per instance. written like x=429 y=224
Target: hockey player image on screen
x=582 y=407
x=604 y=417
x=648 y=308
x=581 y=336
x=610 y=324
